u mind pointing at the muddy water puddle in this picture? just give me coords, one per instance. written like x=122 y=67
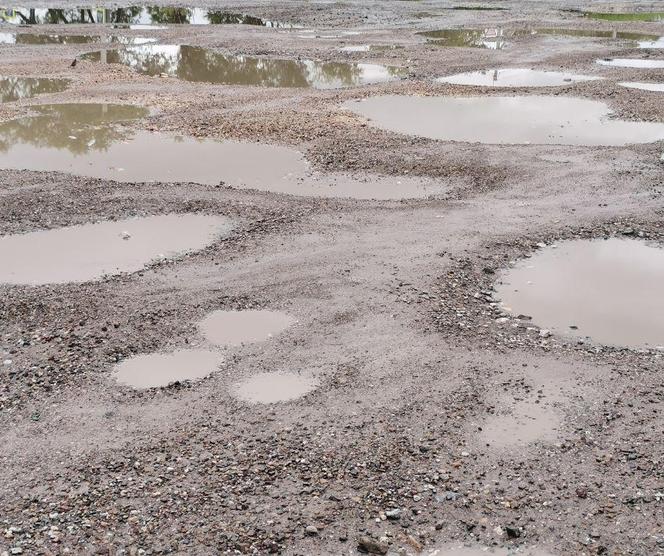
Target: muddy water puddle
x=606 y=290
x=525 y=423
x=234 y=328
x=505 y=120
x=632 y=63
x=16 y=88
x=458 y=549
x=133 y=15
x=192 y=63
x=83 y=140
x=627 y=16
x=90 y=251
x=515 y=77
x=157 y=370
x=654 y=87
x=49 y=39
x=267 y=388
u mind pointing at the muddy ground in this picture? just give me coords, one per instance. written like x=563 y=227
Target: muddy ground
x=393 y=302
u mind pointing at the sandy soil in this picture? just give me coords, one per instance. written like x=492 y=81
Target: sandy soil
x=394 y=314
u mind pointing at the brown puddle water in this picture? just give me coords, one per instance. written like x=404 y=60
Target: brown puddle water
x=550 y=120
x=515 y=77
x=193 y=63
x=16 y=88
x=90 y=251
x=234 y=328
x=157 y=370
x=80 y=139
x=269 y=388
x=527 y=422
x=607 y=290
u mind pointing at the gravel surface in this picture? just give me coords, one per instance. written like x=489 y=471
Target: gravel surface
x=395 y=317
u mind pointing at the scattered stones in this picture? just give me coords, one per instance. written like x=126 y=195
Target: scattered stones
x=371 y=546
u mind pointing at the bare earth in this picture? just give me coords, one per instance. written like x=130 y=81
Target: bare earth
x=426 y=397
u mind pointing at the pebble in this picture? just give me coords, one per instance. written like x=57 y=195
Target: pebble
x=371 y=546
x=311 y=530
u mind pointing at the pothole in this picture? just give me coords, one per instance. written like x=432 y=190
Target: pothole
x=16 y=88
x=655 y=87
x=133 y=15
x=515 y=77
x=607 y=291
x=631 y=63
x=194 y=63
x=267 y=388
x=158 y=370
x=90 y=251
x=80 y=139
x=549 y=120
x=234 y=328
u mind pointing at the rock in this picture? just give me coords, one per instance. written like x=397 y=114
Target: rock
x=512 y=532
x=371 y=546
x=582 y=492
x=393 y=514
x=544 y=333
x=311 y=530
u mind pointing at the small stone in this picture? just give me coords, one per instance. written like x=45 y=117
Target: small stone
x=125 y=235
x=544 y=333
x=311 y=530
x=371 y=546
x=582 y=492
x=393 y=514
x=512 y=532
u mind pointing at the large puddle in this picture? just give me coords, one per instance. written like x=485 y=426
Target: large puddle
x=606 y=290
x=515 y=77
x=631 y=16
x=498 y=38
x=16 y=88
x=632 y=63
x=193 y=63
x=234 y=328
x=80 y=139
x=157 y=370
x=655 y=87
x=266 y=388
x=549 y=120
x=45 y=39
x=90 y=251
x=133 y=15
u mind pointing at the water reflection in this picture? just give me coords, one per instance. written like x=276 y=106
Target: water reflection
x=192 y=63
x=15 y=88
x=134 y=15
x=45 y=39
x=633 y=16
x=78 y=128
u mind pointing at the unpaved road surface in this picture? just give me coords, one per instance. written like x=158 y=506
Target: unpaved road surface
x=426 y=396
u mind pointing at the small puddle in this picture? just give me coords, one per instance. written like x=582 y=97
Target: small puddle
x=631 y=63
x=80 y=139
x=133 y=15
x=193 y=63
x=234 y=328
x=269 y=388
x=658 y=43
x=370 y=47
x=606 y=290
x=41 y=39
x=526 y=423
x=455 y=549
x=515 y=78
x=90 y=251
x=16 y=88
x=492 y=38
x=630 y=16
x=550 y=120
x=480 y=8
x=655 y=87
x=157 y=370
